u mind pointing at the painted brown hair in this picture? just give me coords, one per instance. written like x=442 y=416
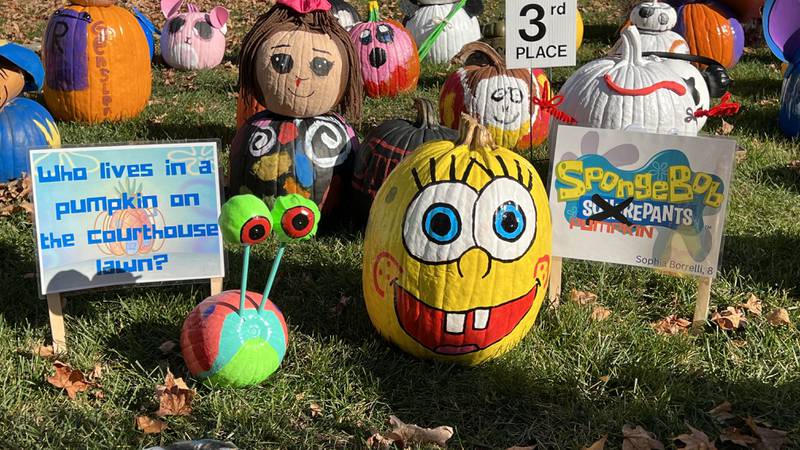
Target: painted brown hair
x=283 y=18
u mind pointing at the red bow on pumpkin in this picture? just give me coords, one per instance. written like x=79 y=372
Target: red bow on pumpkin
x=725 y=108
x=306 y=6
x=550 y=104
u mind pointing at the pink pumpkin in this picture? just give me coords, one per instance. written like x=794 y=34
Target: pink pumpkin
x=193 y=40
x=388 y=55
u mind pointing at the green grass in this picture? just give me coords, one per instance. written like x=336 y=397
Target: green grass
x=548 y=391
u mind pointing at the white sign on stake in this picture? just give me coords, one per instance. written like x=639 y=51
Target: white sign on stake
x=540 y=34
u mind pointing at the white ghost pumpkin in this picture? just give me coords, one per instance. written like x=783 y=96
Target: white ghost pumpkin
x=628 y=91
x=655 y=21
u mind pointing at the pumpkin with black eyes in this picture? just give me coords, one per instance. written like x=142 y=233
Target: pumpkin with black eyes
x=498 y=97
x=193 y=40
x=387 y=54
x=655 y=20
x=274 y=155
x=97 y=63
x=457 y=249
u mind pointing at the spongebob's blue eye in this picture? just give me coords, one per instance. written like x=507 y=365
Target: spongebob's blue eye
x=441 y=223
x=509 y=221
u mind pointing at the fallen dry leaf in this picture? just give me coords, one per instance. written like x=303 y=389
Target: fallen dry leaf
x=168 y=346
x=149 y=425
x=344 y=302
x=44 y=351
x=404 y=435
x=726 y=129
x=768 y=438
x=582 y=297
x=778 y=317
x=734 y=435
x=672 y=324
x=97 y=372
x=315 y=409
x=794 y=166
x=174 y=397
x=637 y=438
x=530 y=447
x=753 y=304
x=695 y=440
x=70 y=379
x=729 y=319
x=600 y=444
x=600 y=313
x=722 y=412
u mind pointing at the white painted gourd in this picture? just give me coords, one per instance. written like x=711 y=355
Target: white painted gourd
x=627 y=91
x=462 y=29
x=655 y=21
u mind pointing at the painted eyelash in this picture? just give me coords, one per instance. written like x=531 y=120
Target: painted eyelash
x=472 y=162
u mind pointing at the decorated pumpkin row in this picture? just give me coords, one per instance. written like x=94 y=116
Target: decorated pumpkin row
x=24 y=123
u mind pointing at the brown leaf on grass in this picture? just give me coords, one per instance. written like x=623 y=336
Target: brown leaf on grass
x=530 y=447
x=753 y=304
x=729 y=319
x=168 y=346
x=174 y=397
x=726 y=129
x=148 y=425
x=600 y=444
x=695 y=440
x=734 y=435
x=315 y=409
x=637 y=438
x=600 y=313
x=672 y=324
x=97 y=372
x=794 y=166
x=722 y=412
x=768 y=438
x=72 y=380
x=778 y=317
x=344 y=302
x=582 y=297
x=44 y=351
x=404 y=435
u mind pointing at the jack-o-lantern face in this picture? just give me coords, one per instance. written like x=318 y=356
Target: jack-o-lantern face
x=12 y=82
x=300 y=71
x=457 y=250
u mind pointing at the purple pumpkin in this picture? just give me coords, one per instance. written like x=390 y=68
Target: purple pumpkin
x=387 y=53
x=193 y=40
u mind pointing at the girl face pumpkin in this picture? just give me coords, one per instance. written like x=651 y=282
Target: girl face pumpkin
x=300 y=71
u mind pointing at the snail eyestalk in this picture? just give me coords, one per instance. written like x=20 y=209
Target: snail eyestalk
x=272 y=273
x=245 y=271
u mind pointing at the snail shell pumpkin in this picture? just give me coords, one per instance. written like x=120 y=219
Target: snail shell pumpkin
x=627 y=90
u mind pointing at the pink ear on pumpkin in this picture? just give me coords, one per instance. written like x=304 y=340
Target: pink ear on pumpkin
x=171 y=7
x=217 y=17
x=306 y=6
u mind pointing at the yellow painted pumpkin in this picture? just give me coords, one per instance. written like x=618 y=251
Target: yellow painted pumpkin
x=457 y=249
x=97 y=63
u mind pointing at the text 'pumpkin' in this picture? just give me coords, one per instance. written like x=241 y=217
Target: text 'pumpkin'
x=97 y=64
x=498 y=97
x=457 y=250
x=387 y=55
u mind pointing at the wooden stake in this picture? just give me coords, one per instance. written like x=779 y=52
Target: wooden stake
x=55 y=308
x=555 y=281
x=216 y=285
x=703 y=302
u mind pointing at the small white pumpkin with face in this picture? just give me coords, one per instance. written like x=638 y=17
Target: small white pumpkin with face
x=627 y=90
x=461 y=29
x=655 y=21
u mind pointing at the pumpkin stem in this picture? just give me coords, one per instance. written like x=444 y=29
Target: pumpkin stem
x=374 y=13
x=426 y=114
x=631 y=46
x=482 y=51
x=473 y=135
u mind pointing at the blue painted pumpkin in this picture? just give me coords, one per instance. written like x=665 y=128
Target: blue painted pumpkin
x=24 y=124
x=781 y=24
x=149 y=29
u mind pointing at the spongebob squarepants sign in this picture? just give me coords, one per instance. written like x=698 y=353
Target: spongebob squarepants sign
x=640 y=199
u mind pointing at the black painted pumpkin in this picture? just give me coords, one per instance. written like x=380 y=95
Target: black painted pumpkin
x=274 y=155
x=387 y=144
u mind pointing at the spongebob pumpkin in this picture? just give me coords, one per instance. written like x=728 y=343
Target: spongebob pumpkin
x=457 y=249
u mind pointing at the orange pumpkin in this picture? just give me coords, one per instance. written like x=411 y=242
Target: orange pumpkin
x=711 y=31
x=97 y=63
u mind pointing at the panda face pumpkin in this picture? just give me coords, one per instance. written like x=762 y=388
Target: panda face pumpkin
x=457 y=250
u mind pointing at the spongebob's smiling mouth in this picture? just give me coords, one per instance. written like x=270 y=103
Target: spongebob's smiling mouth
x=459 y=332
